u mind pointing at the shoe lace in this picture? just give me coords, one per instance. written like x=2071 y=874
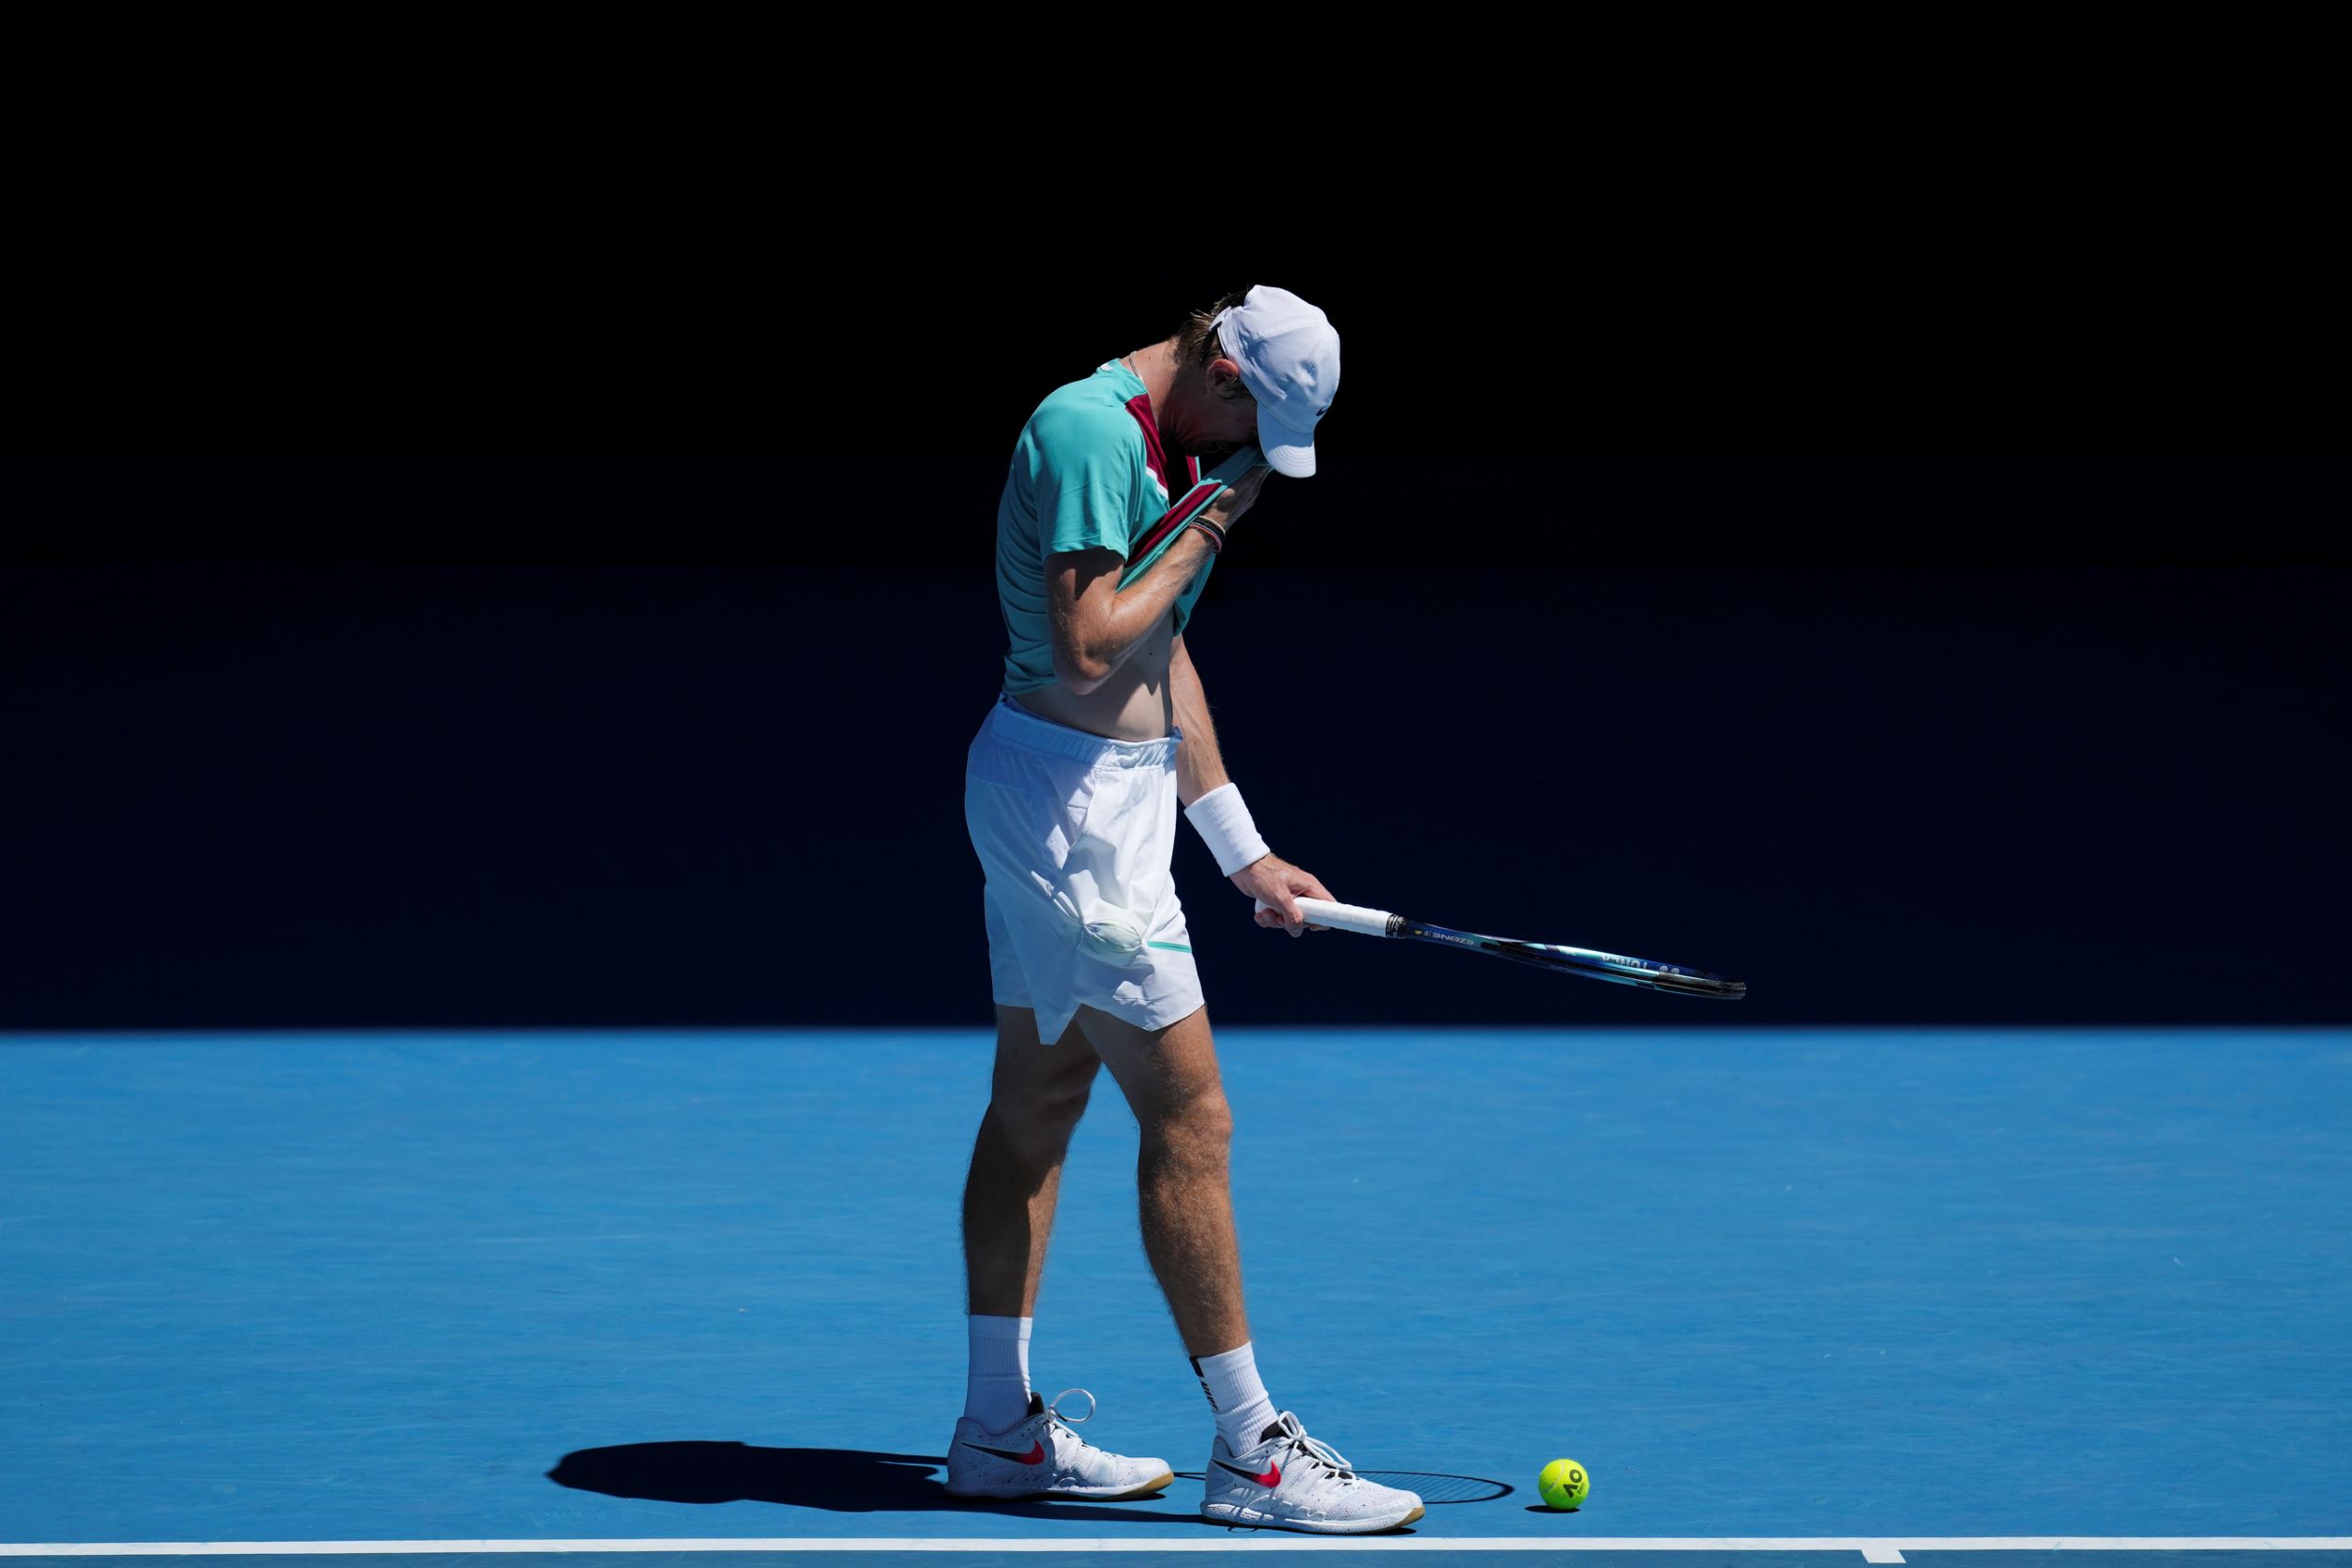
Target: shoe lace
x=1054 y=1410
x=1317 y=1451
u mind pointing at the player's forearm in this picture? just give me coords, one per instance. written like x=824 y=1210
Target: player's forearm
x=1213 y=802
x=1101 y=643
x=1200 y=766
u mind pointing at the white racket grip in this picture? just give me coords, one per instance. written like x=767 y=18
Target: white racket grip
x=1340 y=917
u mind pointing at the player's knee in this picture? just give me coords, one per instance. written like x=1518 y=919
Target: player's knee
x=1198 y=1129
x=1060 y=1105
x=1037 y=1124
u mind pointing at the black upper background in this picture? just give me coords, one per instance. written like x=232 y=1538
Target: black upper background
x=1924 y=622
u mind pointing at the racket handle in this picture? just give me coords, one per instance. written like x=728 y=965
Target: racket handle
x=1345 y=917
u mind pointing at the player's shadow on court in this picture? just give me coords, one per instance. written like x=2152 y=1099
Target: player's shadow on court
x=839 y=1480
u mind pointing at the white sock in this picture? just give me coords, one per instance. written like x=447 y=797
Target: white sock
x=996 y=1389
x=1243 y=1411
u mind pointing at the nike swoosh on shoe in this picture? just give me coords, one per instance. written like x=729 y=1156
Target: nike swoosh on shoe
x=1036 y=1454
x=1272 y=1478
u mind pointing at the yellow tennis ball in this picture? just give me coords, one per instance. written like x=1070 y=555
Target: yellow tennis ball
x=1563 y=1484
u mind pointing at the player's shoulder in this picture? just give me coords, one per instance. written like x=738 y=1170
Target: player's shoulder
x=1088 y=412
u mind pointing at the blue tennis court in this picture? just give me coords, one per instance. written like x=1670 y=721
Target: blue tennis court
x=1912 y=1294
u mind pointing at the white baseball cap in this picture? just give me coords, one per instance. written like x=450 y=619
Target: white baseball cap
x=1288 y=354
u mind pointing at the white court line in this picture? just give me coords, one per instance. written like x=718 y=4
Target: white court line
x=1873 y=1548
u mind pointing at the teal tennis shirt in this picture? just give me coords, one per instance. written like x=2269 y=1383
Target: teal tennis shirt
x=1089 y=472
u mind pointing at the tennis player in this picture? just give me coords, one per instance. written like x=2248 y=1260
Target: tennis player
x=1122 y=489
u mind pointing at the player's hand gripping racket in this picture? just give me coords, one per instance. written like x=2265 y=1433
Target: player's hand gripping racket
x=1592 y=964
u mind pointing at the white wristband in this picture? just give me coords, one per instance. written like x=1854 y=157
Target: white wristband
x=1225 y=828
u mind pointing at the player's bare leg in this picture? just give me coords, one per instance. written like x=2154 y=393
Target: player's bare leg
x=1263 y=1469
x=1183 y=1179
x=1011 y=1443
x=1037 y=1096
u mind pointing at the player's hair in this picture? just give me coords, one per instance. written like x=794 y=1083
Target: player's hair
x=1197 y=341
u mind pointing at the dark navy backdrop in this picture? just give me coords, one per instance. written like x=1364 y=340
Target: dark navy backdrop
x=581 y=739
x=344 y=794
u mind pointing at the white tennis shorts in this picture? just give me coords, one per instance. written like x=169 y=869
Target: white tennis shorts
x=1074 y=833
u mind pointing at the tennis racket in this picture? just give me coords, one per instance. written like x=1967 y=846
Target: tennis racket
x=1589 y=962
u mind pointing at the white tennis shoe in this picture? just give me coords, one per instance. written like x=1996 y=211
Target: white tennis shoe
x=1041 y=1456
x=1291 y=1482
